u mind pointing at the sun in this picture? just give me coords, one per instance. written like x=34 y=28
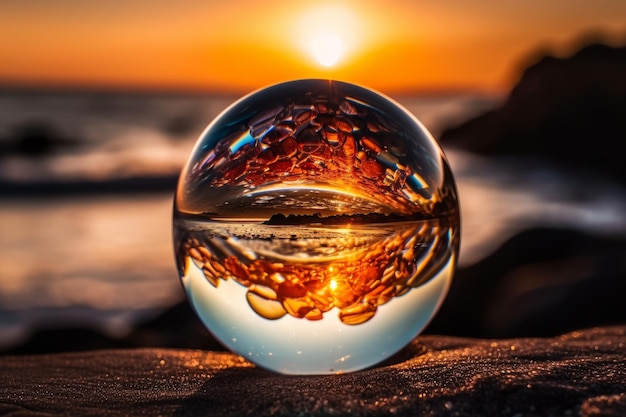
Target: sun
x=329 y=33
x=327 y=48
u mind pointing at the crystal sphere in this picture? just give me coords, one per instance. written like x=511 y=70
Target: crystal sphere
x=316 y=227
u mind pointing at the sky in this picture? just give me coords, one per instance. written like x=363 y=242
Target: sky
x=241 y=45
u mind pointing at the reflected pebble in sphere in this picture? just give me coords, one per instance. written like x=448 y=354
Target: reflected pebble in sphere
x=316 y=227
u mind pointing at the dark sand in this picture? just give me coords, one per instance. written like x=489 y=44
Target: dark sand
x=581 y=373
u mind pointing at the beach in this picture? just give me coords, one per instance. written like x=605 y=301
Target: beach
x=581 y=373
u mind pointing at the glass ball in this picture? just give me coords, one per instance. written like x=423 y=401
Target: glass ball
x=316 y=227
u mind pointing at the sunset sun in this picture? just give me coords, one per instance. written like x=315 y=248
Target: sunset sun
x=327 y=48
x=328 y=34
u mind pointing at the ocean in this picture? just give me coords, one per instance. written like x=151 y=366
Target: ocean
x=104 y=260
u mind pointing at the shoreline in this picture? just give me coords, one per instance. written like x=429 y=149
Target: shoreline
x=495 y=297
x=85 y=187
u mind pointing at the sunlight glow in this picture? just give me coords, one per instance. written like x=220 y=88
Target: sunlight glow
x=329 y=33
x=327 y=48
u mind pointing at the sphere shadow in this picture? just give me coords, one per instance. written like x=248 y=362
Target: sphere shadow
x=410 y=351
x=256 y=391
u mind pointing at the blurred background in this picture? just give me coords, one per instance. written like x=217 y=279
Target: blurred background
x=101 y=103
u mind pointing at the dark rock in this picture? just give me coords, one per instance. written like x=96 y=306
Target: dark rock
x=177 y=327
x=181 y=126
x=569 y=111
x=67 y=340
x=35 y=138
x=542 y=282
x=578 y=374
x=125 y=185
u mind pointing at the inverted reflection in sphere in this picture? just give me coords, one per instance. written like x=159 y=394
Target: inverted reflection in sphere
x=316 y=227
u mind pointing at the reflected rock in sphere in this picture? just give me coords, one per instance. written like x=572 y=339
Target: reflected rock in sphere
x=316 y=227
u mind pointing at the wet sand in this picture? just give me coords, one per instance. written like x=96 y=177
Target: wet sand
x=582 y=373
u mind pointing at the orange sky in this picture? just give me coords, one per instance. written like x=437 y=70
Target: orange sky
x=240 y=45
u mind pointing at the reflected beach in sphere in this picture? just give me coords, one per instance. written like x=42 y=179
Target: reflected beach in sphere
x=316 y=227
